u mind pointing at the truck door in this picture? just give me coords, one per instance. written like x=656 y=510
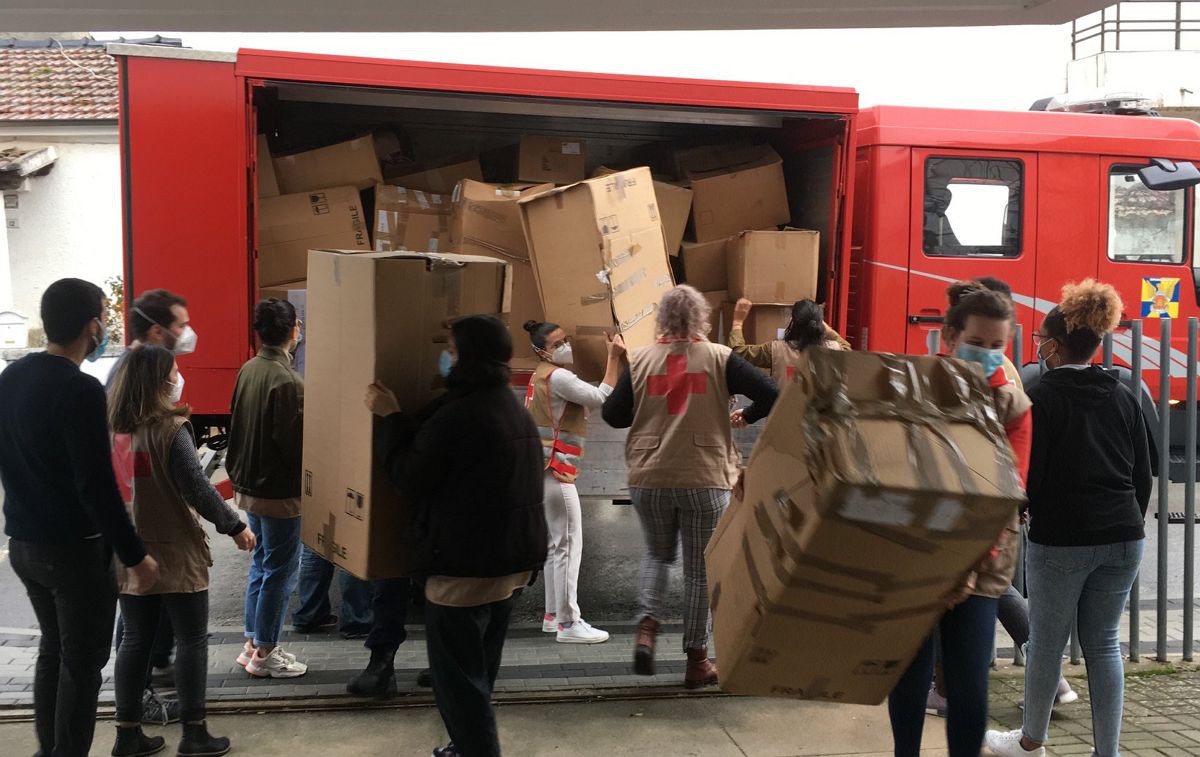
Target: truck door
x=973 y=213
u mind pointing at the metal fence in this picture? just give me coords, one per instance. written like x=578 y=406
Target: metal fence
x=1125 y=26
x=1181 y=459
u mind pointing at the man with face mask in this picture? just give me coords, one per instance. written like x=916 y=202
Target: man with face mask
x=64 y=513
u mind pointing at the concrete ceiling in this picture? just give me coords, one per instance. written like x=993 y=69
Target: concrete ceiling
x=526 y=15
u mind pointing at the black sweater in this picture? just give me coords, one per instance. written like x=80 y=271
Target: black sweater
x=1090 y=473
x=55 y=458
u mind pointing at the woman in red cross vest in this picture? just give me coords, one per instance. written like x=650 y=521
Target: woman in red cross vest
x=559 y=401
x=674 y=399
x=806 y=328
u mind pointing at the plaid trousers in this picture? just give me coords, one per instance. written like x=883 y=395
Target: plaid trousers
x=666 y=515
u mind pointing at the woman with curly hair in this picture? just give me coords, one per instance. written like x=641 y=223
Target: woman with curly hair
x=674 y=399
x=1089 y=485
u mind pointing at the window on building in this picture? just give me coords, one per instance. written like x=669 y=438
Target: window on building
x=1144 y=225
x=973 y=207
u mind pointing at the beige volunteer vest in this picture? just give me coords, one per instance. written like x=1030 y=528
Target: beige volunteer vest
x=563 y=439
x=681 y=438
x=784 y=359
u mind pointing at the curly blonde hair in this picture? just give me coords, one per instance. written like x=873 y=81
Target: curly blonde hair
x=1089 y=310
x=683 y=313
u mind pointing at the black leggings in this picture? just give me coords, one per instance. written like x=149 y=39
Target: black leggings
x=189 y=618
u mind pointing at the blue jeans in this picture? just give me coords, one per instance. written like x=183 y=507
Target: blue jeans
x=1093 y=582
x=273 y=573
x=968 y=638
x=316 y=575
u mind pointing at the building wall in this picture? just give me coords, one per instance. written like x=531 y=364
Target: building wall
x=69 y=221
x=1171 y=78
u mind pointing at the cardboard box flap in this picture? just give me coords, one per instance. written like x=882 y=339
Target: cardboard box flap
x=433 y=257
x=711 y=161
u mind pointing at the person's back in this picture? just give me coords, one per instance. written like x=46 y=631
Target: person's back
x=264 y=456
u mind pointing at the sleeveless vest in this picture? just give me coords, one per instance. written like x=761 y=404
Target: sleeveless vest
x=167 y=524
x=681 y=437
x=784 y=359
x=563 y=439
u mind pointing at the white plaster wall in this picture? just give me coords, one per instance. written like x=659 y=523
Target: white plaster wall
x=69 y=222
x=1171 y=78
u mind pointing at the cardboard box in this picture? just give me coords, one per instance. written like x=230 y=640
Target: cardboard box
x=557 y=160
x=774 y=266
x=268 y=183
x=411 y=219
x=487 y=221
x=352 y=163
x=378 y=316
x=674 y=205
x=735 y=190
x=850 y=548
x=704 y=265
x=765 y=324
x=718 y=325
x=296 y=294
x=600 y=262
x=441 y=180
x=291 y=225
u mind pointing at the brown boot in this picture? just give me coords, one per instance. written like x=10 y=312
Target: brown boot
x=700 y=670
x=643 y=651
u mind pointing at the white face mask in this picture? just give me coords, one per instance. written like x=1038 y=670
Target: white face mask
x=563 y=355
x=176 y=390
x=185 y=343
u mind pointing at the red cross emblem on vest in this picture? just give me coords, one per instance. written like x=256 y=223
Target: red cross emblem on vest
x=791 y=373
x=677 y=384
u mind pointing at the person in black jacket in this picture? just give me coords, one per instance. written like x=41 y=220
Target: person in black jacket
x=1089 y=485
x=472 y=474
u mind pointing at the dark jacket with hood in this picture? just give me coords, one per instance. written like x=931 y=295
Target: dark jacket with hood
x=1090 y=472
x=470 y=466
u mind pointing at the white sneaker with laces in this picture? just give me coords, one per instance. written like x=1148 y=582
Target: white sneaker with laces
x=549 y=623
x=1008 y=744
x=580 y=632
x=276 y=665
x=243 y=659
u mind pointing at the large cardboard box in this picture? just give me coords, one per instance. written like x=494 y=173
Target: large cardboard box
x=877 y=483
x=268 y=183
x=734 y=190
x=774 y=266
x=674 y=205
x=291 y=225
x=296 y=294
x=704 y=265
x=766 y=323
x=441 y=180
x=557 y=160
x=411 y=219
x=377 y=316
x=487 y=221
x=600 y=261
x=352 y=163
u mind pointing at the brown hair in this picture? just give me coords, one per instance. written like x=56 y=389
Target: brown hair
x=138 y=393
x=1089 y=310
x=968 y=298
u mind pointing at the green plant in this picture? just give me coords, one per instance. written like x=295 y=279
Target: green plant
x=115 y=309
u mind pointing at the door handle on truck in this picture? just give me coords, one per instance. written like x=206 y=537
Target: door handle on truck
x=917 y=320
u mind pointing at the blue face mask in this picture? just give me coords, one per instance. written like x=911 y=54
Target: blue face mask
x=445 y=363
x=989 y=359
x=101 y=346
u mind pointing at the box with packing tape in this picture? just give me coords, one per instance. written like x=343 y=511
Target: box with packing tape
x=291 y=225
x=674 y=206
x=600 y=262
x=411 y=219
x=774 y=266
x=375 y=316
x=557 y=160
x=734 y=187
x=487 y=221
x=878 y=482
x=352 y=163
x=440 y=180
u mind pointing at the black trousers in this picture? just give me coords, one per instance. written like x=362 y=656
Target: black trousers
x=189 y=618
x=73 y=589
x=465 y=645
x=164 y=642
x=390 y=607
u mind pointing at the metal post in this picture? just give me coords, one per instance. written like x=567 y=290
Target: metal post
x=1018 y=346
x=1189 y=493
x=1164 y=480
x=1135 y=592
x=933 y=341
x=1108 y=351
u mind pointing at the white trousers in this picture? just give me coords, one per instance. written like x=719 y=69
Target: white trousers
x=565 y=523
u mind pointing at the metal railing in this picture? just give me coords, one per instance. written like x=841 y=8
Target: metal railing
x=1115 y=22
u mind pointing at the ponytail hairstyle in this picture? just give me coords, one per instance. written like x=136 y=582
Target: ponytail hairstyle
x=1089 y=310
x=968 y=298
x=539 y=332
x=807 y=326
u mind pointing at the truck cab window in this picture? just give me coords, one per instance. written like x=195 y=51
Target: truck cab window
x=972 y=207
x=1144 y=226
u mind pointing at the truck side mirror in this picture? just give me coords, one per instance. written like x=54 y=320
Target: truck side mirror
x=1164 y=175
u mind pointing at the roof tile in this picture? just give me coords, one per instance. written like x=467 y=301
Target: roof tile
x=57 y=85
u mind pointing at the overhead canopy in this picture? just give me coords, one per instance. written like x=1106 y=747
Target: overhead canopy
x=529 y=15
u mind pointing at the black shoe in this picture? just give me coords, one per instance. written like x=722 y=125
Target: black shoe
x=131 y=742
x=379 y=679
x=446 y=751
x=319 y=626
x=158 y=711
x=197 y=742
x=355 y=633
x=425 y=679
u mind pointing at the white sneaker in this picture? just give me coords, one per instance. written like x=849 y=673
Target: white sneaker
x=581 y=633
x=278 y=664
x=1008 y=744
x=549 y=623
x=243 y=659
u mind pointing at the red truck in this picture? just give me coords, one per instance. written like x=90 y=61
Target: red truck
x=905 y=199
